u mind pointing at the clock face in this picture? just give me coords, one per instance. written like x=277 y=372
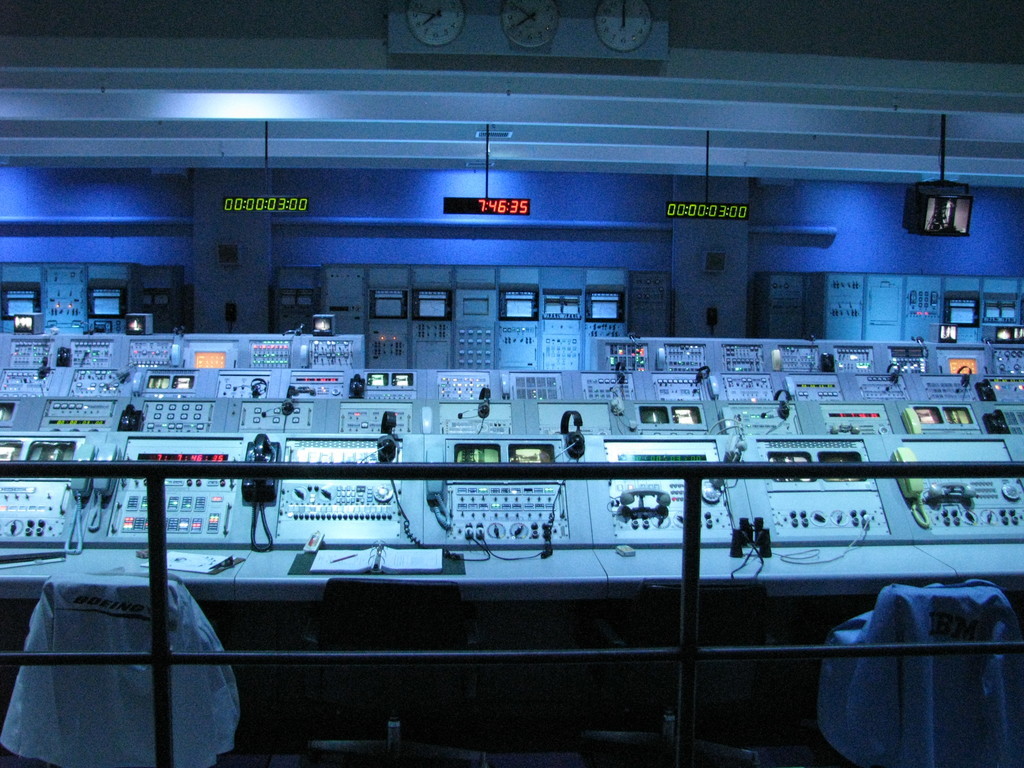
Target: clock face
x=623 y=25
x=529 y=23
x=435 y=22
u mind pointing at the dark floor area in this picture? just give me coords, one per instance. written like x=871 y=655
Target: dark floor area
x=527 y=716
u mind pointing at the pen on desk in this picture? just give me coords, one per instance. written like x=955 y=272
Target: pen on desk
x=346 y=557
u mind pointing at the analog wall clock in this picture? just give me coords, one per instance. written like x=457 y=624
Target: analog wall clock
x=529 y=23
x=435 y=22
x=623 y=25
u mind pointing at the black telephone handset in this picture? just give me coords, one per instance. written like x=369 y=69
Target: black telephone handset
x=131 y=419
x=995 y=423
x=985 y=390
x=257 y=490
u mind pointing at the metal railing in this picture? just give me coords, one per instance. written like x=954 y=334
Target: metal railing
x=687 y=654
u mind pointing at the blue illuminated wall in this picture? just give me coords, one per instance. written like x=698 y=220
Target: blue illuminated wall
x=94 y=216
x=789 y=224
x=578 y=219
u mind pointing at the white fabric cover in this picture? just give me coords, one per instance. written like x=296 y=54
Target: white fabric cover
x=927 y=711
x=102 y=716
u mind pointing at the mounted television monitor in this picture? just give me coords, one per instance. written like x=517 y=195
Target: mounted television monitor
x=323 y=325
x=19 y=301
x=31 y=323
x=518 y=305
x=107 y=302
x=431 y=305
x=139 y=324
x=605 y=307
x=938 y=208
x=389 y=305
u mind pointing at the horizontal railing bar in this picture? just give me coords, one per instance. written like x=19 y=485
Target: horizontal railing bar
x=637 y=655
x=512 y=472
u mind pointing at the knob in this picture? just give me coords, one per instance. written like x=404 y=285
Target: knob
x=710 y=493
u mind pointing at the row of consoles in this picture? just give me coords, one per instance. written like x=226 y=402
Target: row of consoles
x=628 y=414
x=481 y=515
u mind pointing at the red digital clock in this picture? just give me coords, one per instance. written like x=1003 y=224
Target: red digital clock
x=502 y=206
x=216 y=457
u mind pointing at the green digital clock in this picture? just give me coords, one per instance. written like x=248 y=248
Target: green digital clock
x=685 y=210
x=266 y=203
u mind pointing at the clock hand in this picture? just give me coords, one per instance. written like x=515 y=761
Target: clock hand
x=528 y=17
x=431 y=17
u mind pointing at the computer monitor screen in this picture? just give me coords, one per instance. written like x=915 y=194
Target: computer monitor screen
x=51 y=450
x=946 y=215
x=962 y=365
x=388 y=305
x=940 y=208
x=107 y=302
x=10 y=450
x=211 y=359
x=653 y=414
x=477 y=453
x=19 y=301
x=531 y=454
x=432 y=305
x=605 y=307
x=518 y=305
x=323 y=325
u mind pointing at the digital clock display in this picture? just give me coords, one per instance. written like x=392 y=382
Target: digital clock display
x=271 y=204
x=191 y=457
x=502 y=206
x=733 y=211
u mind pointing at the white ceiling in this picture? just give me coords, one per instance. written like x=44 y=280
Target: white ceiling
x=790 y=106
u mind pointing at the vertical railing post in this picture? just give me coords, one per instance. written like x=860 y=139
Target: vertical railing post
x=163 y=728
x=686 y=703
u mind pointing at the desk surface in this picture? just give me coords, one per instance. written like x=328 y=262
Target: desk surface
x=578 y=574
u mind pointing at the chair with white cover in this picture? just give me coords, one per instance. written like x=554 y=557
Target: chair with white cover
x=101 y=716
x=933 y=711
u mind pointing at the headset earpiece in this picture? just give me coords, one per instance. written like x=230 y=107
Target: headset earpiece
x=575 y=442
x=387 y=444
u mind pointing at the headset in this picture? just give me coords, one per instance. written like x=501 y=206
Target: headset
x=965 y=376
x=357 y=387
x=575 y=442
x=483 y=408
x=783 y=403
x=387 y=443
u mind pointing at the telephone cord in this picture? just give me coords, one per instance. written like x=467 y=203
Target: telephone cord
x=260 y=511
